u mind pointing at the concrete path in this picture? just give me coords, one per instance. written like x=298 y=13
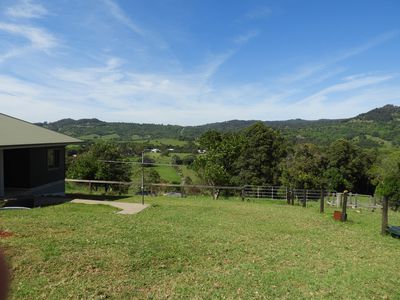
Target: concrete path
x=126 y=208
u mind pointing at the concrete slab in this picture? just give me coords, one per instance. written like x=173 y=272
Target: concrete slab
x=126 y=208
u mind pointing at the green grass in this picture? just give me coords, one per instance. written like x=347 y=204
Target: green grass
x=168 y=174
x=162 y=141
x=197 y=248
x=187 y=172
x=112 y=136
x=89 y=136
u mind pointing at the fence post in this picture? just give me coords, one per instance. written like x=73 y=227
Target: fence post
x=304 y=198
x=344 y=206
x=385 y=208
x=292 y=196
x=287 y=196
x=322 y=202
x=242 y=193
x=272 y=193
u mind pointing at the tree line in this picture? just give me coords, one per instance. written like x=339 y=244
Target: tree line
x=259 y=155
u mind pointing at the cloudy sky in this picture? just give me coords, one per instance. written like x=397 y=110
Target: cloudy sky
x=194 y=62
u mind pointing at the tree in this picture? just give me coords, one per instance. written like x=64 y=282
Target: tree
x=217 y=166
x=147 y=160
x=349 y=167
x=261 y=153
x=188 y=160
x=210 y=140
x=176 y=160
x=93 y=164
x=249 y=157
x=152 y=176
x=304 y=167
x=387 y=178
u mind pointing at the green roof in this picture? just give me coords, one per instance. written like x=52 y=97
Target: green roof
x=15 y=132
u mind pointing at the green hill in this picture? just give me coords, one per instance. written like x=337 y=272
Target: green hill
x=376 y=128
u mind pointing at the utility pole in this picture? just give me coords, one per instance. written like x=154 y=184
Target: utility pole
x=142 y=187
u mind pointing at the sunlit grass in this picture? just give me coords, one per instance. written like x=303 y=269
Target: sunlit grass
x=199 y=248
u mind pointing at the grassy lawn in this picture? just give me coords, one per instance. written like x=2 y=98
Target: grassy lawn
x=199 y=248
x=168 y=174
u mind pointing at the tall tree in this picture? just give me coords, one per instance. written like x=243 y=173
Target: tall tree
x=217 y=165
x=261 y=153
x=304 y=167
x=349 y=167
x=387 y=178
x=93 y=164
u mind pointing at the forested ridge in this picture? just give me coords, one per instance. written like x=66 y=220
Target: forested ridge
x=375 y=128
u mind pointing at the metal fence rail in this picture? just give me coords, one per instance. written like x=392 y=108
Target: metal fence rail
x=265 y=192
x=281 y=193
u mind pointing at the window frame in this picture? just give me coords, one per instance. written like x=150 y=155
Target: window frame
x=55 y=153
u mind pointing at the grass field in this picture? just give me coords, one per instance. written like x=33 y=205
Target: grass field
x=198 y=248
x=163 y=141
x=168 y=174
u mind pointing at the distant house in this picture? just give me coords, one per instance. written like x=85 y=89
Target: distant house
x=155 y=150
x=32 y=158
x=171 y=149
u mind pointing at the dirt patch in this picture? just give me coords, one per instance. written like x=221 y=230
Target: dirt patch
x=5 y=234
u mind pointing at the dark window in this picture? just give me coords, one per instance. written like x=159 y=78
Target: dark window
x=53 y=158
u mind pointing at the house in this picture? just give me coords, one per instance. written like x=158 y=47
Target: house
x=155 y=150
x=32 y=159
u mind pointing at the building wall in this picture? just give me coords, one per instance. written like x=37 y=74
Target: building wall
x=28 y=169
x=40 y=174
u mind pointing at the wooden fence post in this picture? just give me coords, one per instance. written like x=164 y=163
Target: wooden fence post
x=344 y=206
x=292 y=196
x=304 y=198
x=385 y=222
x=322 y=202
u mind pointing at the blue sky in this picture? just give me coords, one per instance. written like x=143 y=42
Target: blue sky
x=194 y=62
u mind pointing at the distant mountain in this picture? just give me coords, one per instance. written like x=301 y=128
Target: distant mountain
x=386 y=113
x=378 y=127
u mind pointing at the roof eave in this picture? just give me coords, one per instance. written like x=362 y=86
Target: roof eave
x=20 y=146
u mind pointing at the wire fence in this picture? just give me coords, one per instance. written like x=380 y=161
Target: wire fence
x=249 y=192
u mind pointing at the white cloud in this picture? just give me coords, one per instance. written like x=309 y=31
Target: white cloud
x=309 y=70
x=351 y=83
x=39 y=39
x=110 y=93
x=245 y=37
x=258 y=13
x=118 y=14
x=27 y=9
